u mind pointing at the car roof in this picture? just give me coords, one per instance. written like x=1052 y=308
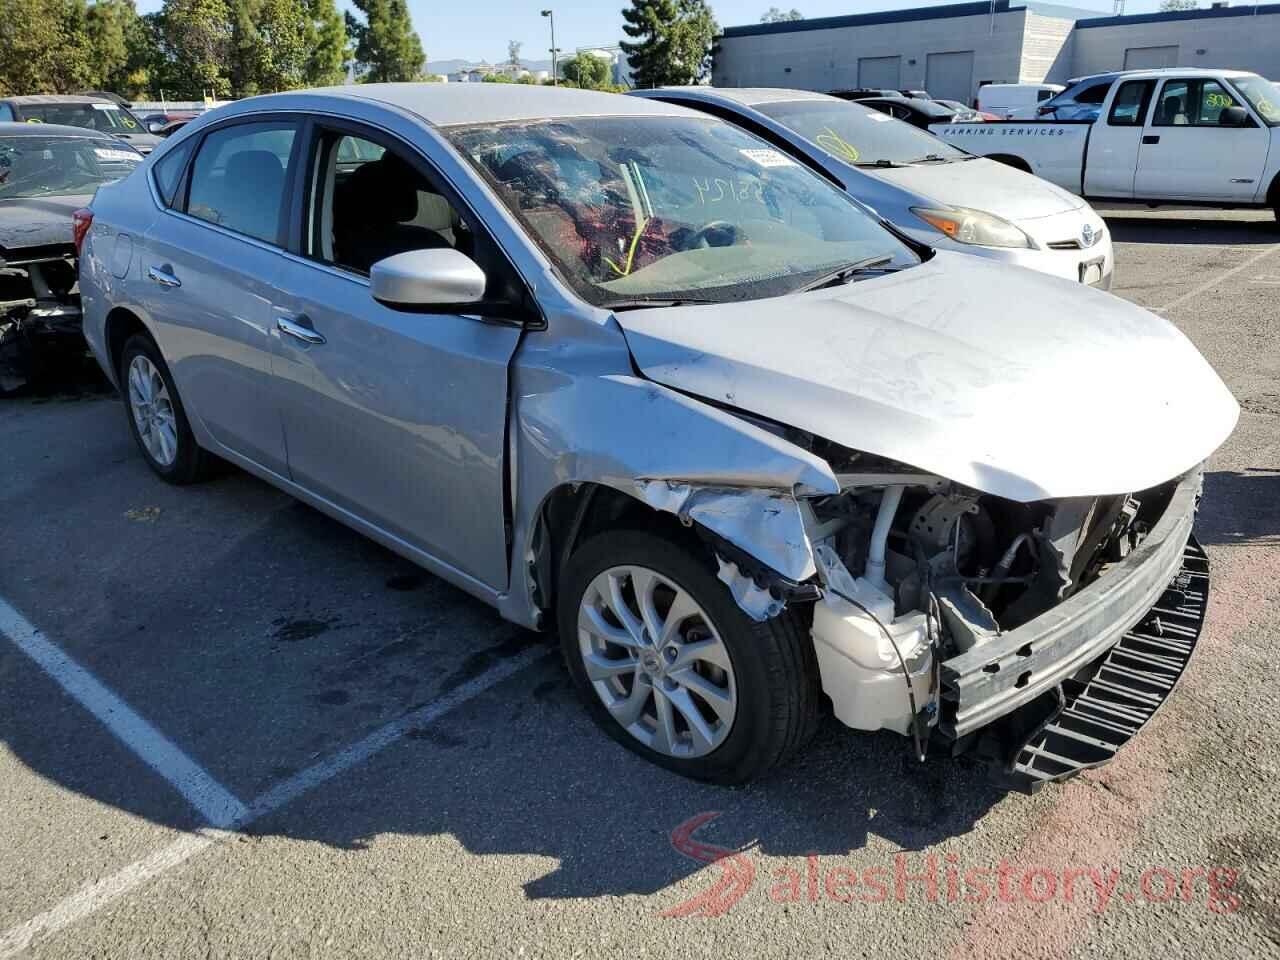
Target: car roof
x=34 y=100
x=20 y=128
x=448 y=104
x=924 y=106
x=1184 y=71
x=746 y=96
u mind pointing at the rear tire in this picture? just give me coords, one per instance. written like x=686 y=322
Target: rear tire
x=771 y=680
x=156 y=417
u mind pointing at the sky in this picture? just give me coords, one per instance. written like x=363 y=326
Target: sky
x=480 y=29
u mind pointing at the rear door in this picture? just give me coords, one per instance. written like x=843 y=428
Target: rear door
x=209 y=265
x=397 y=418
x=1116 y=141
x=1187 y=155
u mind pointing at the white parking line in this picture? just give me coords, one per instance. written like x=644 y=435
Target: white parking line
x=216 y=804
x=99 y=894
x=1210 y=284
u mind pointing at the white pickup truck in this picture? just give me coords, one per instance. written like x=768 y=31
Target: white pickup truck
x=1177 y=136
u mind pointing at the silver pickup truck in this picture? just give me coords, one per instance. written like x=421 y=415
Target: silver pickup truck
x=1169 y=136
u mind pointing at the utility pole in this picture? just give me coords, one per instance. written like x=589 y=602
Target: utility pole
x=555 y=61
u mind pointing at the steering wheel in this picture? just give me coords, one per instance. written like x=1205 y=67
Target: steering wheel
x=728 y=234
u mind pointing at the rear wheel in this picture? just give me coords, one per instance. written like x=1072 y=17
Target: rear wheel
x=156 y=417
x=671 y=667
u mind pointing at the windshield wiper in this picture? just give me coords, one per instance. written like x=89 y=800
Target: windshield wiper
x=931 y=158
x=846 y=273
x=642 y=304
x=879 y=163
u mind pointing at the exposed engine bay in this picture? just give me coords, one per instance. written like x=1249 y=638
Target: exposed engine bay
x=39 y=305
x=917 y=570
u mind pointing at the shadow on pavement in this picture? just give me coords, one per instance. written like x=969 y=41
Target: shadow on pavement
x=1240 y=508
x=262 y=638
x=1190 y=230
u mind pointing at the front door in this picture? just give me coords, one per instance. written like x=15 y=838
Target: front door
x=209 y=265
x=1116 y=140
x=1187 y=155
x=397 y=418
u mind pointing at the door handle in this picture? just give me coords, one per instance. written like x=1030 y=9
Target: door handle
x=1151 y=138
x=163 y=275
x=299 y=331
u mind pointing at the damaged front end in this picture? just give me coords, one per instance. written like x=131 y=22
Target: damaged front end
x=1042 y=634
x=39 y=310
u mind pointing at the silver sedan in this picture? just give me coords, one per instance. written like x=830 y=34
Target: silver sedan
x=625 y=370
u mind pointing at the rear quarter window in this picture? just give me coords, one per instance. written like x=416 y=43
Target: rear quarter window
x=168 y=171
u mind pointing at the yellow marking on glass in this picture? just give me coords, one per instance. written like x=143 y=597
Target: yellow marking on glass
x=837 y=145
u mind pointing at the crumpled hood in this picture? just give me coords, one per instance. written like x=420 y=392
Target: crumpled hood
x=1014 y=383
x=983 y=184
x=36 y=222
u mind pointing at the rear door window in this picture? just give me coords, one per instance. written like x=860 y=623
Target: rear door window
x=239 y=178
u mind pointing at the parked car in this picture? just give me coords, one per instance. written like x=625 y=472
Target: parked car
x=46 y=173
x=966 y=114
x=156 y=123
x=1081 y=100
x=1015 y=100
x=918 y=113
x=1167 y=136
x=625 y=369
x=862 y=93
x=937 y=194
x=93 y=113
x=170 y=128
x=916 y=94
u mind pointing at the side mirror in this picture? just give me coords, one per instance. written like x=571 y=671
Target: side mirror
x=423 y=278
x=155 y=126
x=1233 y=117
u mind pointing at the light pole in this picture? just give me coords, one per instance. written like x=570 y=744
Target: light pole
x=555 y=66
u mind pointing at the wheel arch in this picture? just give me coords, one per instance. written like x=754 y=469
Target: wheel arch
x=1011 y=160
x=121 y=324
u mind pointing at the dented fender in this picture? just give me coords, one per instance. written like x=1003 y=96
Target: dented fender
x=661 y=447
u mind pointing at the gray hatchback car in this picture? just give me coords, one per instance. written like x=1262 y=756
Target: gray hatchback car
x=624 y=369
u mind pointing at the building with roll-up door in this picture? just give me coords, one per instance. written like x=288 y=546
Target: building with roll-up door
x=953 y=49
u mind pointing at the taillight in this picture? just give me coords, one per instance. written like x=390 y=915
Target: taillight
x=81 y=221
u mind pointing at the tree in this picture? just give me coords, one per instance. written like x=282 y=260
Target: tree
x=328 y=51
x=774 y=15
x=268 y=50
x=586 y=70
x=670 y=41
x=1170 y=6
x=193 y=38
x=386 y=47
x=44 y=47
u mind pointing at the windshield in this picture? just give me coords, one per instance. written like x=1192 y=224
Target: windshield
x=670 y=208
x=857 y=135
x=106 y=117
x=41 y=166
x=1262 y=96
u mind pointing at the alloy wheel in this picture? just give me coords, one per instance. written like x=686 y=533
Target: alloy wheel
x=153 y=412
x=656 y=661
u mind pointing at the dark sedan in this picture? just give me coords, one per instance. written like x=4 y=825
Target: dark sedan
x=47 y=172
x=918 y=113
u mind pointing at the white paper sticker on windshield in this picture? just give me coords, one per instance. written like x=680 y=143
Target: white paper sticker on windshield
x=768 y=158
x=104 y=106
x=880 y=117
x=106 y=153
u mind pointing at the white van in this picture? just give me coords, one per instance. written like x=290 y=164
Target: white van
x=1015 y=101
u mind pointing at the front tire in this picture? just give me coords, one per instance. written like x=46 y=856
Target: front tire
x=672 y=668
x=156 y=416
